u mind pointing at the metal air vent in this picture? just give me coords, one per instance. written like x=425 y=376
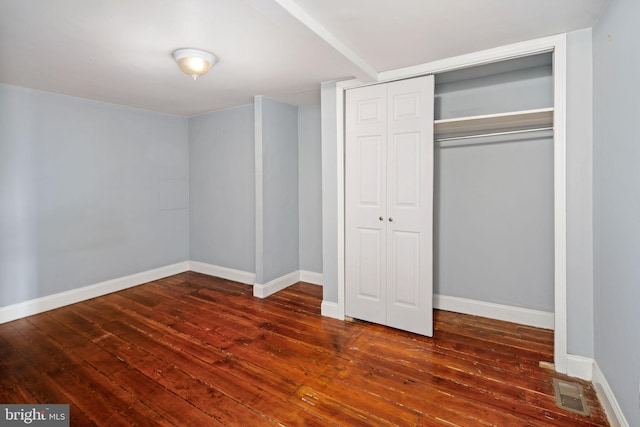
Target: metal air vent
x=570 y=396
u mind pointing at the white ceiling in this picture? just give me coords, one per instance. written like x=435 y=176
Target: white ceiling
x=119 y=51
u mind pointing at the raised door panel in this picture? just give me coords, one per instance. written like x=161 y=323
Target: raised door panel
x=369 y=172
x=404 y=179
x=365 y=204
x=409 y=301
x=366 y=272
x=410 y=205
x=404 y=269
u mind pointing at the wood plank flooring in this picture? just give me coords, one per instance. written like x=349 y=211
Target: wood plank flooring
x=193 y=350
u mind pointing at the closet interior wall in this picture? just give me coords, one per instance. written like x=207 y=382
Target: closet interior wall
x=493 y=196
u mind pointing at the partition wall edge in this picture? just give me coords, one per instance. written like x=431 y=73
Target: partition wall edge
x=560 y=204
x=555 y=44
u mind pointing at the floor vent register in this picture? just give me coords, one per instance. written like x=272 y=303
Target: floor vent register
x=570 y=396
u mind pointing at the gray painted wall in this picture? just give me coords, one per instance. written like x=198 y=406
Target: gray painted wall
x=493 y=197
x=579 y=194
x=493 y=221
x=329 y=192
x=617 y=201
x=310 y=188
x=222 y=188
x=238 y=217
x=497 y=93
x=89 y=192
x=277 y=248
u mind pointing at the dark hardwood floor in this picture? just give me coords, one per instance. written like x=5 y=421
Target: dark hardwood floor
x=193 y=350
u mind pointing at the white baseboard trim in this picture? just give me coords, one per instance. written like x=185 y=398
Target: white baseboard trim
x=276 y=285
x=608 y=399
x=524 y=316
x=311 y=277
x=283 y=282
x=580 y=367
x=331 y=309
x=222 y=272
x=50 y=302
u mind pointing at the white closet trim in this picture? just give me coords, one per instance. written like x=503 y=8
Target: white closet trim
x=557 y=44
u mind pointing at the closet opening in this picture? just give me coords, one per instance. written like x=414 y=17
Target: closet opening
x=501 y=122
x=494 y=190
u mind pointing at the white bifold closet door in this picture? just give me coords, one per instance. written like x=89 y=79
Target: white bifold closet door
x=389 y=204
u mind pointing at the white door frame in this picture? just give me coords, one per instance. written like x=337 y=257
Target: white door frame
x=554 y=44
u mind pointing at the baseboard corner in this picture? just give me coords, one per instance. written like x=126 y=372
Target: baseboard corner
x=276 y=285
x=608 y=399
x=580 y=367
x=331 y=309
x=311 y=277
x=222 y=272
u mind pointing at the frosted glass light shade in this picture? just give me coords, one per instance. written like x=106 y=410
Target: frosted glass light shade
x=194 y=62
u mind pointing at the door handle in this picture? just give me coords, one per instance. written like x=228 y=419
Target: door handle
x=390 y=219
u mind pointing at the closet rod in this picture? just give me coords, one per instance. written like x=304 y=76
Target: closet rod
x=483 y=135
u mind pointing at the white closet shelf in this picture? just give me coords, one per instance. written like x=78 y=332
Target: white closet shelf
x=541 y=117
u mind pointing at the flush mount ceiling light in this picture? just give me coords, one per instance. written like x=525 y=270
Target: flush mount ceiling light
x=194 y=62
